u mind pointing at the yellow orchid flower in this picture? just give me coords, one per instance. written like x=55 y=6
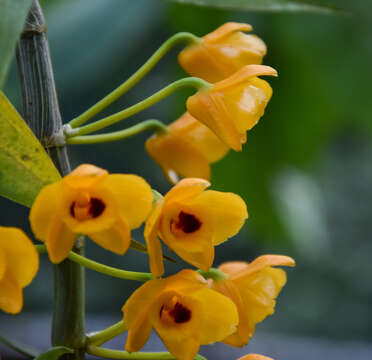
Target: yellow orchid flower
x=183 y=311
x=89 y=201
x=234 y=105
x=255 y=357
x=191 y=222
x=186 y=150
x=222 y=52
x=253 y=288
x=19 y=263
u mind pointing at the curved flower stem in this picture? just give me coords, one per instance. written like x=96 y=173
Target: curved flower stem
x=103 y=269
x=117 y=354
x=213 y=273
x=144 y=104
x=176 y=39
x=100 y=337
x=155 y=125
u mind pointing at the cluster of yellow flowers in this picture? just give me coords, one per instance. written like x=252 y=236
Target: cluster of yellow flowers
x=192 y=307
x=218 y=117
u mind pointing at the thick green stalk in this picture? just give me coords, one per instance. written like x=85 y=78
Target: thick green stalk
x=179 y=38
x=41 y=111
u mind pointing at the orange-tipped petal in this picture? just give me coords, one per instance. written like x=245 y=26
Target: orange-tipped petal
x=43 y=210
x=227 y=211
x=185 y=189
x=20 y=255
x=11 y=297
x=255 y=357
x=115 y=239
x=260 y=263
x=226 y=29
x=133 y=196
x=244 y=74
x=60 y=241
x=153 y=242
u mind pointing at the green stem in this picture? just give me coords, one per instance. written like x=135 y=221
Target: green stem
x=182 y=37
x=155 y=125
x=117 y=354
x=215 y=274
x=101 y=268
x=108 y=270
x=144 y=104
x=105 y=335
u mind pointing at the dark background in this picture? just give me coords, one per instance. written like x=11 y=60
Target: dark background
x=305 y=171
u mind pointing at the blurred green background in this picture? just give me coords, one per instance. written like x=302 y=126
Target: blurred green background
x=305 y=172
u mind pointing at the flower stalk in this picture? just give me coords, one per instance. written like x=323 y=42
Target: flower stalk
x=180 y=38
x=192 y=82
x=101 y=337
x=154 y=125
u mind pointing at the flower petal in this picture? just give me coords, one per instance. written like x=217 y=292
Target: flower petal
x=11 y=297
x=115 y=239
x=60 y=241
x=139 y=333
x=254 y=357
x=177 y=157
x=133 y=196
x=186 y=188
x=258 y=264
x=46 y=205
x=226 y=29
x=21 y=256
x=219 y=315
x=152 y=241
x=141 y=300
x=183 y=348
x=227 y=211
x=2 y=264
x=85 y=176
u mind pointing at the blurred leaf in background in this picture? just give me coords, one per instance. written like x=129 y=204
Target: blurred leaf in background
x=12 y=18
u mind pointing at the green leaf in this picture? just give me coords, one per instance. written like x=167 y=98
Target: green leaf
x=54 y=353
x=137 y=246
x=12 y=18
x=266 y=5
x=25 y=167
x=20 y=348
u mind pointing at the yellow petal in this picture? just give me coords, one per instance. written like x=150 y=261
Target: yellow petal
x=21 y=257
x=185 y=189
x=46 y=204
x=227 y=211
x=219 y=315
x=200 y=136
x=11 y=297
x=60 y=241
x=256 y=265
x=225 y=30
x=138 y=333
x=194 y=247
x=245 y=329
x=85 y=176
x=181 y=339
x=115 y=238
x=209 y=108
x=152 y=241
x=2 y=264
x=141 y=300
x=133 y=196
x=255 y=357
x=177 y=157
